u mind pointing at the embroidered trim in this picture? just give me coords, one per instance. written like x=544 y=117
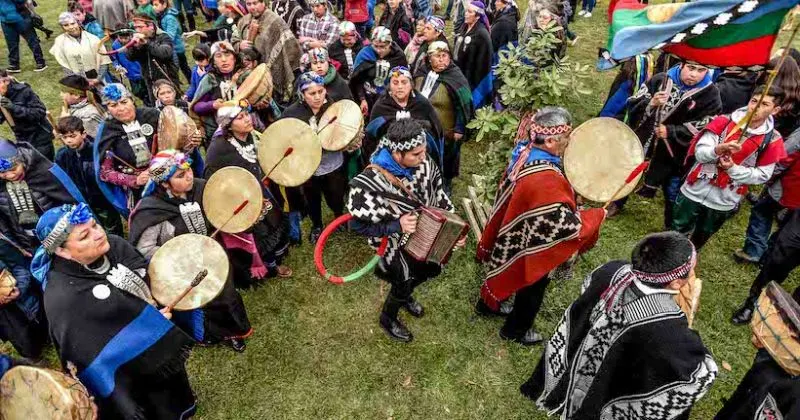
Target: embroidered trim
x=124 y=279
x=193 y=218
x=549 y=131
x=247 y=152
x=22 y=200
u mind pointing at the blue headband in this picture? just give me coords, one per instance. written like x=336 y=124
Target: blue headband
x=308 y=79
x=53 y=229
x=9 y=155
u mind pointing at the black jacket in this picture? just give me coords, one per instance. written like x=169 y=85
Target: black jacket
x=504 y=28
x=29 y=114
x=156 y=59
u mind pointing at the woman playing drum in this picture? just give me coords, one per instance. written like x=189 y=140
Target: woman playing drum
x=173 y=205
x=235 y=145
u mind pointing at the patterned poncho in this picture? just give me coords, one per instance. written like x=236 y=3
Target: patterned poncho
x=637 y=359
x=373 y=198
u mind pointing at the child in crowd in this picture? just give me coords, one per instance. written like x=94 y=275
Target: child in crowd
x=75 y=158
x=166 y=94
x=201 y=54
x=131 y=70
x=87 y=21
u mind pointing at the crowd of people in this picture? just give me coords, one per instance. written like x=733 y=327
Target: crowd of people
x=623 y=349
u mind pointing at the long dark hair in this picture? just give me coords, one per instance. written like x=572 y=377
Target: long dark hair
x=788 y=79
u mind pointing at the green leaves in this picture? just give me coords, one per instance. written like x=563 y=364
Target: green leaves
x=533 y=76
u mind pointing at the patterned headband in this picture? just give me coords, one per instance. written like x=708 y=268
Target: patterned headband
x=405 y=146
x=165 y=163
x=381 y=34
x=114 y=92
x=401 y=71
x=347 y=28
x=307 y=80
x=318 y=54
x=680 y=272
x=437 y=23
x=7 y=164
x=437 y=46
x=78 y=215
x=549 y=131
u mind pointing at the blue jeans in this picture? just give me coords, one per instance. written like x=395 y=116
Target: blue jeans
x=12 y=32
x=588 y=5
x=760 y=226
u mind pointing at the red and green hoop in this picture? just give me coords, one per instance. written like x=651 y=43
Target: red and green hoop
x=319 y=249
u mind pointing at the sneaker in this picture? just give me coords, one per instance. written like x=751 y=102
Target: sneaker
x=742 y=257
x=13 y=70
x=582 y=12
x=40 y=68
x=588 y=15
x=574 y=41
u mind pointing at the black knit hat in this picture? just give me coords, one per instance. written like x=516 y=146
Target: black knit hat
x=663 y=257
x=75 y=83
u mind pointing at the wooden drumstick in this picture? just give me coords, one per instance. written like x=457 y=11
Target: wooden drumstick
x=328 y=124
x=236 y=211
x=8 y=117
x=286 y=154
x=634 y=173
x=197 y=279
x=120 y=160
x=15 y=245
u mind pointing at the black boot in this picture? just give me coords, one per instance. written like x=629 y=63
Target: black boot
x=414 y=308
x=529 y=338
x=481 y=308
x=743 y=315
x=237 y=344
x=389 y=322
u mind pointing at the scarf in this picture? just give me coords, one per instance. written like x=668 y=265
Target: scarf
x=384 y=159
x=675 y=74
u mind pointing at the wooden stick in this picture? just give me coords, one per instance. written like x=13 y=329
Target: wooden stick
x=236 y=211
x=631 y=177
x=197 y=279
x=22 y=250
x=741 y=129
x=120 y=160
x=8 y=117
x=471 y=218
x=288 y=152
x=328 y=124
x=478 y=208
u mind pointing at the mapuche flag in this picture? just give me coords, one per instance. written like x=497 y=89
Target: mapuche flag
x=715 y=33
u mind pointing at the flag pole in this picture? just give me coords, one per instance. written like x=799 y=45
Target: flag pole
x=745 y=123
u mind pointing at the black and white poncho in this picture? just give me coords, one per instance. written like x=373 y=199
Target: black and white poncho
x=637 y=359
x=374 y=200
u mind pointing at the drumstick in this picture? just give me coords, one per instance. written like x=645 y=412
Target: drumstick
x=236 y=211
x=197 y=279
x=328 y=124
x=14 y=244
x=288 y=152
x=8 y=117
x=634 y=173
x=120 y=160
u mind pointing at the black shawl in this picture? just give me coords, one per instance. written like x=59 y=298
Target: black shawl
x=766 y=392
x=160 y=207
x=504 y=28
x=114 y=139
x=684 y=115
x=395 y=22
x=362 y=81
x=336 y=52
x=419 y=59
x=50 y=187
x=225 y=316
x=473 y=53
x=289 y=10
x=385 y=112
x=636 y=360
x=121 y=346
x=337 y=88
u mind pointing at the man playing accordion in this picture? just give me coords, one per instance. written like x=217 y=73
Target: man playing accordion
x=383 y=199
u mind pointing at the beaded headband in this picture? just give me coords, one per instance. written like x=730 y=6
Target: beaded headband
x=549 y=131
x=78 y=215
x=679 y=272
x=405 y=146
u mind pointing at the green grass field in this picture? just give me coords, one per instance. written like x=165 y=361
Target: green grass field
x=318 y=351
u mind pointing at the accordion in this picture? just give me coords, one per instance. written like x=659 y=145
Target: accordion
x=437 y=233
